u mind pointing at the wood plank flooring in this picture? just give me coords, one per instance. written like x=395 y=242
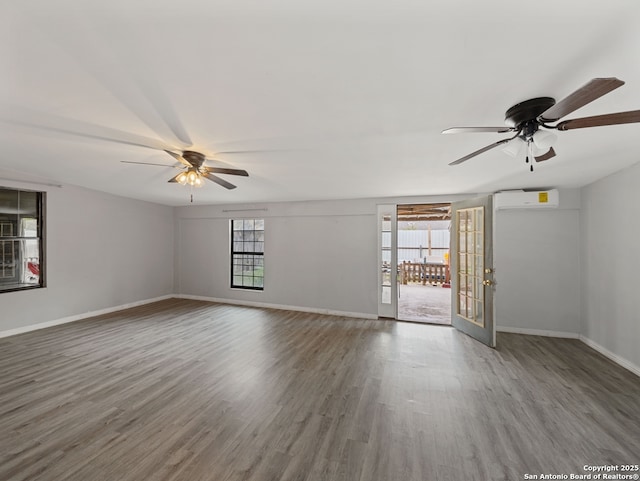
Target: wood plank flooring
x=187 y=391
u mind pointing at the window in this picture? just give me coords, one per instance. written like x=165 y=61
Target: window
x=247 y=254
x=21 y=239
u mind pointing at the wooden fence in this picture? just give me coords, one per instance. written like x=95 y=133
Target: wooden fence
x=423 y=273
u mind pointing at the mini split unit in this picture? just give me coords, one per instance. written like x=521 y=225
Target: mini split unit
x=520 y=199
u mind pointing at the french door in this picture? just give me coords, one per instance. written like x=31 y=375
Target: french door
x=387 y=261
x=472 y=283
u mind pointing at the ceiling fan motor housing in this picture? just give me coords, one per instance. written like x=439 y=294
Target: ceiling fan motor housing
x=194 y=158
x=528 y=111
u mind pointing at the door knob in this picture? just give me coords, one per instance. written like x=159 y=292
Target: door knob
x=487 y=282
x=488 y=270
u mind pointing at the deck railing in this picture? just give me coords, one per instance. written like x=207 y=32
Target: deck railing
x=423 y=273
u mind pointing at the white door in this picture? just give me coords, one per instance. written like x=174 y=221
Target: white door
x=472 y=283
x=387 y=261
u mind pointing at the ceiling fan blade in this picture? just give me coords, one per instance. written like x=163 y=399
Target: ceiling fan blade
x=464 y=130
x=480 y=151
x=592 y=90
x=39 y=121
x=630 y=117
x=546 y=156
x=219 y=181
x=174 y=179
x=226 y=152
x=179 y=158
x=149 y=163
x=222 y=170
x=139 y=90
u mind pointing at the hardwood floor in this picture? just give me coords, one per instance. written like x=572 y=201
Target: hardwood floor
x=188 y=390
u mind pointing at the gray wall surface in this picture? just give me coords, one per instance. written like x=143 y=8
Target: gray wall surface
x=318 y=255
x=610 y=231
x=102 y=251
x=537 y=262
x=323 y=255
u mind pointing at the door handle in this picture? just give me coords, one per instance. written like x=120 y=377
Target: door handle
x=487 y=282
x=488 y=270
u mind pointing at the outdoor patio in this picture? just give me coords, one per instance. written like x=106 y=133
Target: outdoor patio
x=430 y=304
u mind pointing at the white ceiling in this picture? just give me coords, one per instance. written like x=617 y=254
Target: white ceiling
x=348 y=97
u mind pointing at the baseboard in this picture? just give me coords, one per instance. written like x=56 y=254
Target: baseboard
x=572 y=335
x=614 y=357
x=313 y=310
x=79 y=317
x=538 y=332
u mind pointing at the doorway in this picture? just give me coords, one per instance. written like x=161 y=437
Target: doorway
x=423 y=276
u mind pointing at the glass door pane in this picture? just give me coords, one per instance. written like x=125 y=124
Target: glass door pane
x=386 y=261
x=470 y=230
x=385 y=243
x=472 y=272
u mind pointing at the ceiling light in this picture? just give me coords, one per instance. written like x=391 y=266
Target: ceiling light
x=544 y=139
x=515 y=147
x=191 y=177
x=182 y=178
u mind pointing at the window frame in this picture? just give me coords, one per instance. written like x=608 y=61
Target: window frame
x=234 y=252
x=40 y=237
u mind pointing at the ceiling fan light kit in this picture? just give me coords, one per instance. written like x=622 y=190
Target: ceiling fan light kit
x=191 y=177
x=194 y=171
x=544 y=140
x=529 y=120
x=515 y=148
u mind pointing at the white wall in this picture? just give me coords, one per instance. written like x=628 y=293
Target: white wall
x=537 y=268
x=323 y=255
x=102 y=251
x=610 y=227
x=318 y=255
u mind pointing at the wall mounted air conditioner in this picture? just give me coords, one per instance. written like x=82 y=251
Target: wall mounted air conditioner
x=520 y=199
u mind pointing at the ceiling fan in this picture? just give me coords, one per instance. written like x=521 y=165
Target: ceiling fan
x=530 y=121
x=194 y=170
